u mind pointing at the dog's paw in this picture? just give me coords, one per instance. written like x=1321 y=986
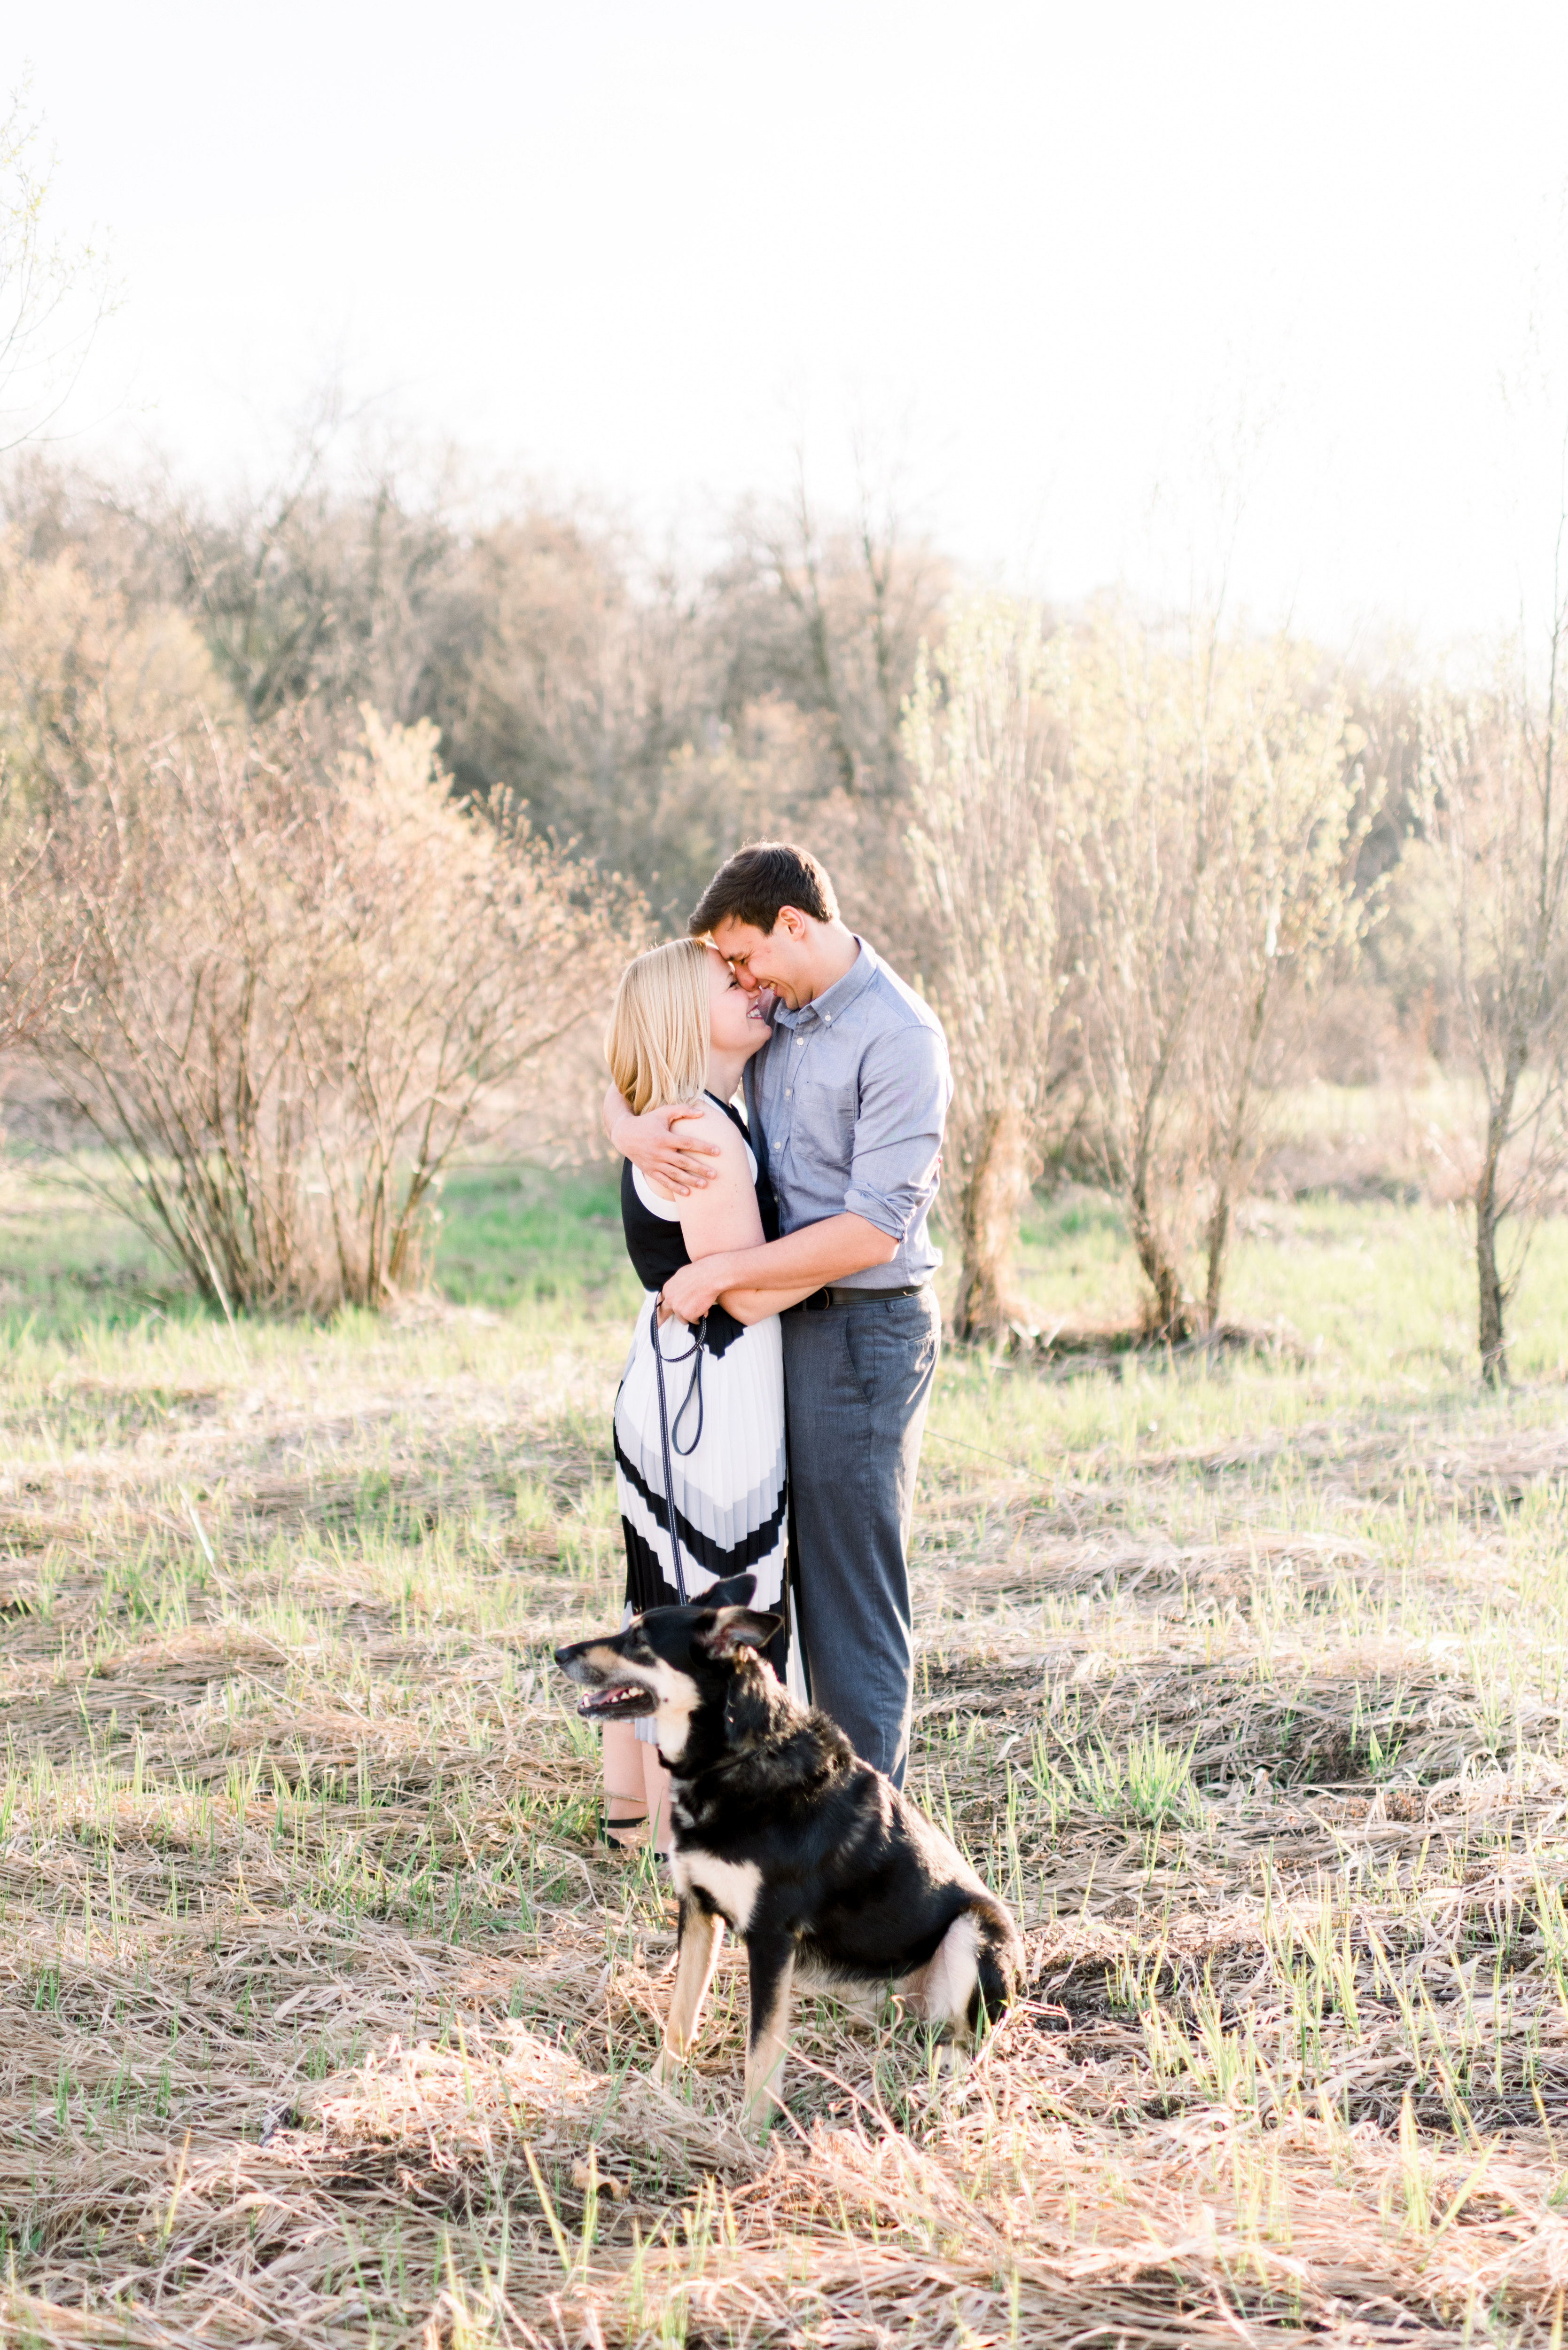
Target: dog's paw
x=667 y=2068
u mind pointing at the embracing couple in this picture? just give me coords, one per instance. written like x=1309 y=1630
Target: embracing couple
x=787 y=1267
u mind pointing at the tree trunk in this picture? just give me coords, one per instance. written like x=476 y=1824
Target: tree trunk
x=1493 y=1347
x=1220 y=1218
x=1488 y=1281
x=1171 y=1317
x=1219 y=1241
x=989 y=1224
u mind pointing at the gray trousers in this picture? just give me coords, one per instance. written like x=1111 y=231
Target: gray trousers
x=857 y=1379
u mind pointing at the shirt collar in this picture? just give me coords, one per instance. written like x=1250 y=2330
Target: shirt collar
x=835 y=1000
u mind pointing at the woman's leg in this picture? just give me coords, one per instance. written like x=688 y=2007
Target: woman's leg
x=656 y=1786
x=625 y=1800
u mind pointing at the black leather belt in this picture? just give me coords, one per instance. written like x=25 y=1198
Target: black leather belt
x=821 y=1299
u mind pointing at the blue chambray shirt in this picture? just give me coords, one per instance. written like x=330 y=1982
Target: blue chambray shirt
x=851 y=1094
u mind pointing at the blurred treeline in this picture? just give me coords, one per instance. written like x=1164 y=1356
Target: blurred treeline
x=646 y=713
x=264 y=751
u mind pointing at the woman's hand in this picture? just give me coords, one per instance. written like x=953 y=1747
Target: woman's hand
x=694 y=1290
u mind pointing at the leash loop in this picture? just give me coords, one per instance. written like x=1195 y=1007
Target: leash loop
x=693 y=1388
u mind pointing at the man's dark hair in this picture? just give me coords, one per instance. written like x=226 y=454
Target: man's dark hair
x=751 y=886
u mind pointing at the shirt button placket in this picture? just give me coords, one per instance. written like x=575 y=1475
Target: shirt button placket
x=799 y=1041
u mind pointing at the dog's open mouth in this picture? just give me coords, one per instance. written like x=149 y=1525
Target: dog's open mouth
x=622 y=1702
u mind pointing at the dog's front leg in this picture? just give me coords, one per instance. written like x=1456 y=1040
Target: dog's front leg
x=697 y=1954
x=767 y=2039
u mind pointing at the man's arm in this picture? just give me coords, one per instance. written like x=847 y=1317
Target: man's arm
x=813 y=1258
x=905 y=1088
x=762 y=1305
x=904 y=1092
x=679 y=1165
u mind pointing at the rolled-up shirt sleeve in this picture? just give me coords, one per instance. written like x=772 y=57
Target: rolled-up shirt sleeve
x=905 y=1088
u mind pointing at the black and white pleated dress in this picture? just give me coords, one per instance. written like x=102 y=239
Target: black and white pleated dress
x=724 y=1389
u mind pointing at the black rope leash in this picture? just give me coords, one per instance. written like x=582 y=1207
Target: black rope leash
x=694 y=1387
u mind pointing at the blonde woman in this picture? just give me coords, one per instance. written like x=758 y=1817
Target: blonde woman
x=682 y=1030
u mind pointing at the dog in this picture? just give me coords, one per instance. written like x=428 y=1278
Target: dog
x=781 y=1832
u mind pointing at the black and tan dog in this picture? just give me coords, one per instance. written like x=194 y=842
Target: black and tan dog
x=812 y=1857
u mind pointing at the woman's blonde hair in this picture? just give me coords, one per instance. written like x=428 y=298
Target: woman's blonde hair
x=657 y=1043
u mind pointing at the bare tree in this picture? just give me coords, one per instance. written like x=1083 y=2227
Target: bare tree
x=1490 y=801
x=1213 y=817
x=832 y=612
x=982 y=843
x=583 y=671
x=1143 y=812
x=1297 y=814
x=339 y=579
x=53 y=295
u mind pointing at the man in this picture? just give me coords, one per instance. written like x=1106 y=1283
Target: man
x=847 y=1101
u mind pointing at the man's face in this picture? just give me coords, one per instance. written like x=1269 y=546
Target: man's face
x=777 y=959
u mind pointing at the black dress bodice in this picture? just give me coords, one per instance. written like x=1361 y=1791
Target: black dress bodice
x=657 y=1246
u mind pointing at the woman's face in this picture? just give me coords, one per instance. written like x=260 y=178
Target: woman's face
x=737 y=1022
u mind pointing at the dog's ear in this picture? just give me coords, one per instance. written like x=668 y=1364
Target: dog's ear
x=735 y=1591
x=738 y=1627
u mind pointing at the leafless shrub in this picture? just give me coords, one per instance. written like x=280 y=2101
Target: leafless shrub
x=1297 y=813
x=982 y=841
x=35 y=961
x=1139 y=823
x=78 y=666
x=1210 y=829
x=1490 y=803
x=302 y=976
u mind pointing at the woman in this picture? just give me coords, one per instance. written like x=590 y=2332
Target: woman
x=682 y=1030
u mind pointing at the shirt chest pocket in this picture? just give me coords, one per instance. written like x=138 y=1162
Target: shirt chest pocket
x=826 y=1089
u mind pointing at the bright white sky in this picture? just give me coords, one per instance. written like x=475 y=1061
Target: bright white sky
x=1060 y=261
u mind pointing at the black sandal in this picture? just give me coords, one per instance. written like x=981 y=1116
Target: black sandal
x=611 y=1832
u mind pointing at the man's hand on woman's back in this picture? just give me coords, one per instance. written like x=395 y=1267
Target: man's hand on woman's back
x=677 y=1164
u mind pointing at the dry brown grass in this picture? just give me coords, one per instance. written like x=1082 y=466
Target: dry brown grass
x=323 y=2020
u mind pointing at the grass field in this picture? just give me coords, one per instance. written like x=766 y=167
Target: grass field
x=323 y=2020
